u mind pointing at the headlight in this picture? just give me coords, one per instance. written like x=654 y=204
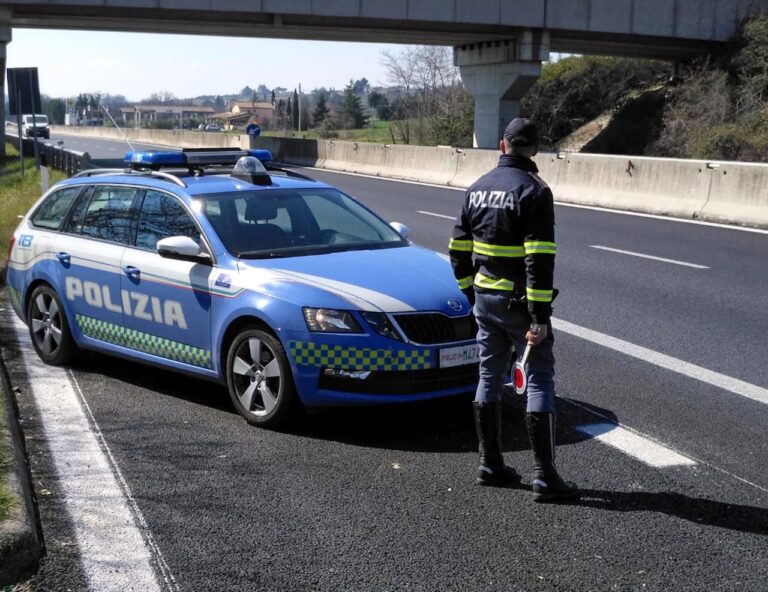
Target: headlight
x=328 y=320
x=379 y=322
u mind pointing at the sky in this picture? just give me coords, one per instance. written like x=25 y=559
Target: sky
x=132 y=64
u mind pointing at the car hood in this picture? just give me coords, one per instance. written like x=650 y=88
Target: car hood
x=403 y=279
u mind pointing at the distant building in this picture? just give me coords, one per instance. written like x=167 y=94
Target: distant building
x=141 y=115
x=240 y=112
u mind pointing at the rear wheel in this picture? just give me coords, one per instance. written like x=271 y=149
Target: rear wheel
x=260 y=381
x=48 y=327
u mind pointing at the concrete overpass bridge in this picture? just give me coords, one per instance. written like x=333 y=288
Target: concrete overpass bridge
x=499 y=44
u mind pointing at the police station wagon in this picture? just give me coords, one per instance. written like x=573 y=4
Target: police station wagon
x=285 y=289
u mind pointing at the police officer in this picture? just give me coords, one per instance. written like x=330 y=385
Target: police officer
x=503 y=255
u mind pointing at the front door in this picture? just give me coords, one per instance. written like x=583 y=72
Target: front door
x=169 y=300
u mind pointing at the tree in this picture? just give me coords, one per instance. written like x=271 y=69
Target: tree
x=53 y=108
x=352 y=115
x=288 y=114
x=273 y=98
x=432 y=107
x=361 y=87
x=263 y=92
x=380 y=103
x=163 y=96
x=246 y=93
x=321 y=111
x=296 y=110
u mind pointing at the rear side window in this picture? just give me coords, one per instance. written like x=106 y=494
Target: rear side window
x=162 y=216
x=108 y=216
x=52 y=211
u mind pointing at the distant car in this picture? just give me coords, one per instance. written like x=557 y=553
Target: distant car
x=35 y=125
x=212 y=127
x=283 y=288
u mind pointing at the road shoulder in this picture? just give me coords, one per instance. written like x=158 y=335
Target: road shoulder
x=21 y=543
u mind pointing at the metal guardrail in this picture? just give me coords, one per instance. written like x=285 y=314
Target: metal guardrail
x=57 y=157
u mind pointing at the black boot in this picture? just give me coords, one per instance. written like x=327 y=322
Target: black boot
x=492 y=470
x=548 y=486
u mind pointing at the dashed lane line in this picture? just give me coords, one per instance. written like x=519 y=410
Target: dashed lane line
x=635 y=445
x=117 y=549
x=652 y=257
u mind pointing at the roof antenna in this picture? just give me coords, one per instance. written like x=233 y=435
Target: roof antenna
x=106 y=110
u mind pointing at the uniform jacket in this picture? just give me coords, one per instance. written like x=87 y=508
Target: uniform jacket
x=504 y=238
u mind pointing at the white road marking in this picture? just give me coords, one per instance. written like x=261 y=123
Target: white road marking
x=117 y=553
x=557 y=203
x=727 y=383
x=436 y=215
x=643 y=256
x=633 y=444
x=664 y=218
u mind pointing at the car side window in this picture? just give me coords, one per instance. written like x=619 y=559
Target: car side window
x=75 y=222
x=108 y=216
x=162 y=215
x=52 y=211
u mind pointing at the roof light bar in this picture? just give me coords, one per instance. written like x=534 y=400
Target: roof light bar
x=191 y=157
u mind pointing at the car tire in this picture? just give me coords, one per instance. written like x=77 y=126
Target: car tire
x=49 y=328
x=260 y=381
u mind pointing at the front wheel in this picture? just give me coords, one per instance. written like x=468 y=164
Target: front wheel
x=260 y=381
x=48 y=327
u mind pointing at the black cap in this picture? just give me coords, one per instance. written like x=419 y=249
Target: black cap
x=522 y=132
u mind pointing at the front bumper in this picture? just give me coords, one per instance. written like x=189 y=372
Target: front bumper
x=368 y=369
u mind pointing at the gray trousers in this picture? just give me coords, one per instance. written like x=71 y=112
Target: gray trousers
x=500 y=326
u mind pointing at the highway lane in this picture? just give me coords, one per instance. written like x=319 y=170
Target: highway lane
x=382 y=499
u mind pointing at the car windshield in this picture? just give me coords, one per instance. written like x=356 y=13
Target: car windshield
x=40 y=119
x=295 y=222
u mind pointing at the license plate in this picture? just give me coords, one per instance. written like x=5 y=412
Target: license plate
x=459 y=356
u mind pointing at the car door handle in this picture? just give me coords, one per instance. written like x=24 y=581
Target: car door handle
x=64 y=257
x=131 y=271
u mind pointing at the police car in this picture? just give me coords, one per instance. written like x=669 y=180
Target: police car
x=218 y=264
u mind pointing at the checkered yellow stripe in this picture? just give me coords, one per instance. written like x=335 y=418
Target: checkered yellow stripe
x=356 y=358
x=143 y=342
x=15 y=296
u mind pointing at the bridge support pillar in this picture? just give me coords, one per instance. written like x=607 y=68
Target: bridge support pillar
x=5 y=39
x=498 y=74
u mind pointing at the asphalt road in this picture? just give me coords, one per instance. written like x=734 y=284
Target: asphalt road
x=382 y=499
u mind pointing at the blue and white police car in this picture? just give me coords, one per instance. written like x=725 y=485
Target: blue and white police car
x=218 y=264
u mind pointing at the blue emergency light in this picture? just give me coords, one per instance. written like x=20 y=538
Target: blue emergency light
x=191 y=158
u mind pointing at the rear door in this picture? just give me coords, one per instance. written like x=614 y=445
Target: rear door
x=89 y=255
x=170 y=300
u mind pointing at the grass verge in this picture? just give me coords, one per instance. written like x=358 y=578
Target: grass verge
x=7 y=501
x=18 y=193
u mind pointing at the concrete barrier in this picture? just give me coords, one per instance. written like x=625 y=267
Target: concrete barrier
x=730 y=192
x=737 y=189
x=657 y=186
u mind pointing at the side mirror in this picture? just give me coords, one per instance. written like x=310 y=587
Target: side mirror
x=181 y=247
x=400 y=228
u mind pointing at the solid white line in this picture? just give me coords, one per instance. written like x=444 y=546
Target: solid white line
x=436 y=215
x=721 y=381
x=660 y=217
x=643 y=256
x=635 y=445
x=113 y=551
x=557 y=202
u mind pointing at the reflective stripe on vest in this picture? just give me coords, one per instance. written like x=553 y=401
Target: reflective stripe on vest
x=538 y=295
x=540 y=248
x=483 y=281
x=499 y=250
x=460 y=245
x=465 y=282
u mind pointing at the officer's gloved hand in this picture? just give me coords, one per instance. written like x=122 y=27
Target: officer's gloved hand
x=470 y=294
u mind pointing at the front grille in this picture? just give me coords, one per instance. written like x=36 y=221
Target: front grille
x=434 y=327
x=411 y=382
